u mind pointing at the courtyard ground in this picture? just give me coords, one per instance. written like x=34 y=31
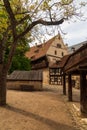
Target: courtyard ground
x=37 y=110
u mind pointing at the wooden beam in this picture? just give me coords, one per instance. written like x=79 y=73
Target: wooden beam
x=64 y=84
x=69 y=88
x=83 y=92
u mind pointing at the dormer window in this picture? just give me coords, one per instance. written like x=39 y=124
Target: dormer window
x=32 y=57
x=62 y=53
x=55 y=52
x=36 y=51
x=73 y=49
x=39 y=46
x=58 y=45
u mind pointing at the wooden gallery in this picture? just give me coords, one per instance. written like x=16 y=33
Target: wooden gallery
x=76 y=64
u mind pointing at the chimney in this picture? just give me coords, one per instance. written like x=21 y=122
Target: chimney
x=35 y=44
x=73 y=49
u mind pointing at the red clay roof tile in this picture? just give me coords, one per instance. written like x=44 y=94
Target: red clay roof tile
x=38 y=51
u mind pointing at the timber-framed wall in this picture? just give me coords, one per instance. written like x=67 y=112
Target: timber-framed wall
x=55 y=77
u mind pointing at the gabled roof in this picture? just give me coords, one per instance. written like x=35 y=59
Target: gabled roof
x=33 y=75
x=39 y=51
x=75 y=47
x=79 y=57
x=54 y=66
x=64 y=61
x=61 y=63
x=78 y=47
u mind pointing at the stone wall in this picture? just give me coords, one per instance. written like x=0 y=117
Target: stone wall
x=46 y=76
x=24 y=85
x=60 y=52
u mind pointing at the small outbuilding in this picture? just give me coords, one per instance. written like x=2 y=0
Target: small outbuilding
x=25 y=80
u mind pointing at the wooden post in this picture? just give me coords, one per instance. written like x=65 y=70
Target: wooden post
x=83 y=93
x=69 y=88
x=64 y=84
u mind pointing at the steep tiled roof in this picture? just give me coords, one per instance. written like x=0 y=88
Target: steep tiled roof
x=61 y=63
x=55 y=65
x=64 y=61
x=75 y=47
x=26 y=75
x=39 y=51
x=79 y=57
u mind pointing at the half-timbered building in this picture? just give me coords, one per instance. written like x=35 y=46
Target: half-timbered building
x=44 y=55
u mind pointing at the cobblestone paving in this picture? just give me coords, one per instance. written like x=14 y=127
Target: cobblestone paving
x=79 y=121
x=76 y=115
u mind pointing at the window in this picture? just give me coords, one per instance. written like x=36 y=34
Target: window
x=58 y=45
x=62 y=53
x=55 y=52
x=32 y=57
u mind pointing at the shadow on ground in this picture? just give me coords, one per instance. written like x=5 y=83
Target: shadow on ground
x=51 y=123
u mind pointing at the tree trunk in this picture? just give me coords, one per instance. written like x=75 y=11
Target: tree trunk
x=83 y=93
x=4 y=67
x=2 y=87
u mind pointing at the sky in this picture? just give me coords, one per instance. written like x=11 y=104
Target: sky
x=75 y=32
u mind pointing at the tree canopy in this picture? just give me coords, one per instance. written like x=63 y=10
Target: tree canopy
x=19 y=61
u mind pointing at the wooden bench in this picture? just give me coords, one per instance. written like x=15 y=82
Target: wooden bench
x=27 y=87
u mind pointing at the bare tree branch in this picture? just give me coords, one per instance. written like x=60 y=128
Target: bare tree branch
x=40 y=21
x=50 y=15
x=37 y=7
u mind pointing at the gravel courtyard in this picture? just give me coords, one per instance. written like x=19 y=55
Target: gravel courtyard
x=37 y=110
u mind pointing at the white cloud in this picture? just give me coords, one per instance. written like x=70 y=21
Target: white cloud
x=76 y=32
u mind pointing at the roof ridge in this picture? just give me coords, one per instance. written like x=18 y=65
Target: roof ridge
x=42 y=49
